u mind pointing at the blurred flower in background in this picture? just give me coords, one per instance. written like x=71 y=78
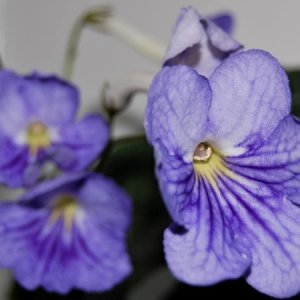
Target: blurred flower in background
x=38 y=126
x=67 y=233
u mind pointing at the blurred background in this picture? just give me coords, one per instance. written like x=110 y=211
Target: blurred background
x=34 y=33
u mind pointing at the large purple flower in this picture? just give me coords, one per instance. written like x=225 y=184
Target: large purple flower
x=67 y=233
x=228 y=164
x=37 y=125
x=199 y=43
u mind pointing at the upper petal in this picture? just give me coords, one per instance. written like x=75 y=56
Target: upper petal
x=45 y=99
x=224 y=21
x=50 y=99
x=187 y=32
x=13 y=113
x=199 y=43
x=177 y=110
x=250 y=96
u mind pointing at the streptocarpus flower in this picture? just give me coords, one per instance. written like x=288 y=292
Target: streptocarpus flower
x=228 y=164
x=37 y=125
x=67 y=233
x=199 y=43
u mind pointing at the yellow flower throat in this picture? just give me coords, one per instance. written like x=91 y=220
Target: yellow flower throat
x=37 y=137
x=209 y=164
x=65 y=208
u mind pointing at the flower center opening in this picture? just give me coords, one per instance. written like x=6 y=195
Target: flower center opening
x=37 y=137
x=65 y=208
x=202 y=153
x=209 y=164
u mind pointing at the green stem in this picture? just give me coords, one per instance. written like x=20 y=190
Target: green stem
x=72 y=48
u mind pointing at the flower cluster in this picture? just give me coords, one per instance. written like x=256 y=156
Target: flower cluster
x=68 y=232
x=227 y=154
x=227 y=160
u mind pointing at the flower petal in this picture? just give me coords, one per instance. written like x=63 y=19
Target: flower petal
x=34 y=98
x=112 y=210
x=239 y=224
x=81 y=143
x=269 y=228
x=207 y=252
x=43 y=252
x=276 y=163
x=224 y=21
x=250 y=96
x=13 y=163
x=13 y=113
x=177 y=110
x=50 y=99
x=187 y=32
x=199 y=43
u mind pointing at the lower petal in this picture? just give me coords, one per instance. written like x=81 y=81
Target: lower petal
x=207 y=252
x=13 y=163
x=276 y=163
x=269 y=226
x=43 y=253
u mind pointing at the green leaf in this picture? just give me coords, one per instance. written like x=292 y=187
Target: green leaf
x=294 y=79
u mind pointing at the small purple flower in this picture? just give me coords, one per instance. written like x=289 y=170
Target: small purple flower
x=67 y=233
x=199 y=43
x=228 y=163
x=37 y=125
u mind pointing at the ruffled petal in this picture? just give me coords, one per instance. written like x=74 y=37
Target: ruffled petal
x=80 y=143
x=199 y=43
x=277 y=162
x=13 y=113
x=177 y=110
x=42 y=251
x=250 y=96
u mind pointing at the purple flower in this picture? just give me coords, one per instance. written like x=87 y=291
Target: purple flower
x=199 y=43
x=37 y=125
x=228 y=164
x=67 y=233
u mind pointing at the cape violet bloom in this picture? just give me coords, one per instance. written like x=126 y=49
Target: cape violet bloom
x=67 y=233
x=199 y=43
x=37 y=125
x=228 y=164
